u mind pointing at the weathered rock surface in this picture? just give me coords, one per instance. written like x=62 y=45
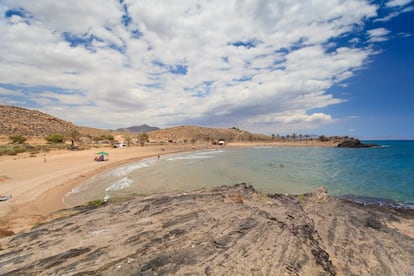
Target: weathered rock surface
x=355 y=143
x=227 y=231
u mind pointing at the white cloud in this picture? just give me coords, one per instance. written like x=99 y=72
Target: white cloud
x=255 y=64
x=398 y=3
x=378 y=35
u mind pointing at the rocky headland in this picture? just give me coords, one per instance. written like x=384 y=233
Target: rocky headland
x=355 y=143
x=226 y=231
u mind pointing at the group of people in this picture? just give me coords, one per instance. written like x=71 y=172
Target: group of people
x=100 y=157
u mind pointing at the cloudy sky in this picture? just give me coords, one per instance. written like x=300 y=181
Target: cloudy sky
x=305 y=67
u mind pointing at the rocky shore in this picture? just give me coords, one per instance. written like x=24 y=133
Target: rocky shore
x=227 y=231
x=355 y=143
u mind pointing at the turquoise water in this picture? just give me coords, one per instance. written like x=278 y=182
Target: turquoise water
x=386 y=172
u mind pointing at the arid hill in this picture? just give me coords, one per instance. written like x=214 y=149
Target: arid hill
x=17 y=120
x=196 y=133
x=33 y=123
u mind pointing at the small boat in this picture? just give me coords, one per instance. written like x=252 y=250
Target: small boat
x=4 y=198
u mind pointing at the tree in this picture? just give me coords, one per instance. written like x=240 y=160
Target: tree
x=323 y=138
x=111 y=139
x=294 y=137
x=142 y=139
x=75 y=137
x=300 y=138
x=128 y=140
x=18 y=139
x=273 y=137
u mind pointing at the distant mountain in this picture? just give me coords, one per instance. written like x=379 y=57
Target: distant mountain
x=138 y=129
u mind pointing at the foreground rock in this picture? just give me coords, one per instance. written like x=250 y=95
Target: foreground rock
x=228 y=231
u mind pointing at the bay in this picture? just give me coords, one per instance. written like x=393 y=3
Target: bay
x=385 y=172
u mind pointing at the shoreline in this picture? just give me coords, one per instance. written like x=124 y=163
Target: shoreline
x=38 y=184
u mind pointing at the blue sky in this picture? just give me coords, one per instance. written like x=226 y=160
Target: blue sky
x=282 y=67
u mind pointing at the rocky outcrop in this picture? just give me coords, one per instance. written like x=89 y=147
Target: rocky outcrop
x=226 y=231
x=355 y=143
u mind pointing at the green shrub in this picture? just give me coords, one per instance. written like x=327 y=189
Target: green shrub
x=96 y=203
x=17 y=139
x=55 y=138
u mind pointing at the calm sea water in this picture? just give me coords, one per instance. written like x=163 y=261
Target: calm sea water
x=386 y=172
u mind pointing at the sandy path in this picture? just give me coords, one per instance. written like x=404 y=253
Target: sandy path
x=37 y=184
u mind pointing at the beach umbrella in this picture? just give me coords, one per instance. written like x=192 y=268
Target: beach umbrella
x=102 y=153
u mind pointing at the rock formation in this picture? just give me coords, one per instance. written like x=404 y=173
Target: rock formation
x=226 y=231
x=355 y=143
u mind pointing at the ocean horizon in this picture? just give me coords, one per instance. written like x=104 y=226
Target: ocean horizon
x=381 y=175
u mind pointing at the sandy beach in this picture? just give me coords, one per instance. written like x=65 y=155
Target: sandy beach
x=37 y=184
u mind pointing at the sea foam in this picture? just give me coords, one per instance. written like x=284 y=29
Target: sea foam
x=119 y=185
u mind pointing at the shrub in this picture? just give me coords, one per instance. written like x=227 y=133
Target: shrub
x=18 y=139
x=96 y=203
x=55 y=138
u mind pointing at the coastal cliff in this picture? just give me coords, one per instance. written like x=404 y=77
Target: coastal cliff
x=226 y=231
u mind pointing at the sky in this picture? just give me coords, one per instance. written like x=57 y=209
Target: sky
x=274 y=67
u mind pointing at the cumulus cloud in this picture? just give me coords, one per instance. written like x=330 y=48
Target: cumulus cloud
x=256 y=64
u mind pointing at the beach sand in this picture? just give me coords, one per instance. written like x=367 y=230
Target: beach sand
x=37 y=184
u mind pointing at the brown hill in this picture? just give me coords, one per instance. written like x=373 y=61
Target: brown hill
x=205 y=134
x=17 y=120
x=33 y=123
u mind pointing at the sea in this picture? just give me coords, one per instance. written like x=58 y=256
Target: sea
x=380 y=175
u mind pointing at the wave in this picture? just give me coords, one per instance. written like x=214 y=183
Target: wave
x=125 y=170
x=120 y=185
x=197 y=155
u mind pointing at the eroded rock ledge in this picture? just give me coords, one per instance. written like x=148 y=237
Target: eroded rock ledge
x=228 y=231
